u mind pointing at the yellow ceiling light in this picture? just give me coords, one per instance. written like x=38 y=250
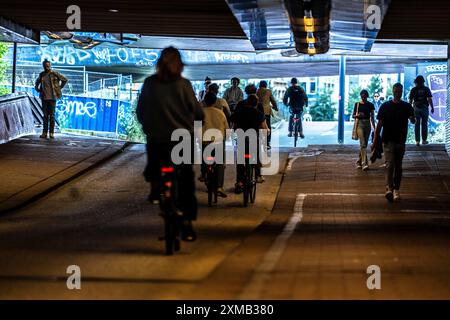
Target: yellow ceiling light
x=309 y=24
x=311 y=51
x=310 y=38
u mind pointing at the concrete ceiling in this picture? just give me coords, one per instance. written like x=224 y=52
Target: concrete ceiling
x=200 y=18
x=417 y=19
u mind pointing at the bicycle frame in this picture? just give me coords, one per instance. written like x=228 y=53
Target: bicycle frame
x=296 y=125
x=249 y=192
x=172 y=216
x=211 y=180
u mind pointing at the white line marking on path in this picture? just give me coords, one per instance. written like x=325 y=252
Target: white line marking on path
x=254 y=288
x=262 y=273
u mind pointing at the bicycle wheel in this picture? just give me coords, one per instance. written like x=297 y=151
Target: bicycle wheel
x=169 y=234
x=246 y=191
x=296 y=133
x=253 y=184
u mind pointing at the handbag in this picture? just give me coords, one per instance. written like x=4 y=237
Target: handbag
x=355 y=125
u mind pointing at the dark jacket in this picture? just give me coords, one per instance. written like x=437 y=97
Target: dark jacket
x=166 y=106
x=295 y=97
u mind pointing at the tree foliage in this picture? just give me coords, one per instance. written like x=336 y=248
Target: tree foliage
x=3 y=68
x=323 y=109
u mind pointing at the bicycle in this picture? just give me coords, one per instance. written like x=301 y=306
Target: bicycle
x=249 y=187
x=211 y=180
x=296 y=125
x=172 y=216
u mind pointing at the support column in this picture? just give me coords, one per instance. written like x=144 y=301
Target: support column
x=341 y=120
x=13 y=86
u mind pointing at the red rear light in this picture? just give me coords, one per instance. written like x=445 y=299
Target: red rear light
x=167 y=169
x=209 y=158
x=247 y=156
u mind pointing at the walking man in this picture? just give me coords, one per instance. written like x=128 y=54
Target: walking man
x=296 y=98
x=393 y=118
x=421 y=97
x=49 y=85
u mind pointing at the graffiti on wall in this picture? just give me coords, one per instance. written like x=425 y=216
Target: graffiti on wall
x=436 y=78
x=91 y=114
x=67 y=55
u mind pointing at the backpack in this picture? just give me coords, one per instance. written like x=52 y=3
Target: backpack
x=296 y=99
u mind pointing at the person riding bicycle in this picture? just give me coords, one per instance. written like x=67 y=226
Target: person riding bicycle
x=214 y=119
x=167 y=102
x=248 y=116
x=296 y=99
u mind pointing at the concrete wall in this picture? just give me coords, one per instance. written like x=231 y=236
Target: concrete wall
x=16 y=118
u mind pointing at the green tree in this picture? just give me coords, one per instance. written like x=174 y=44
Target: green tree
x=353 y=97
x=323 y=109
x=389 y=92
x=375 y=85
x=3 y=68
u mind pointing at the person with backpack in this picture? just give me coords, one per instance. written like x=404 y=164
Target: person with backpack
x=296 y=99
x=421 y=98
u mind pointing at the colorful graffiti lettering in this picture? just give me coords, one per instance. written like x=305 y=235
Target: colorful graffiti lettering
x=78 y=108
x=91 y=114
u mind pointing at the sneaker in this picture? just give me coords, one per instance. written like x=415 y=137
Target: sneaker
x=290 y=134
x=365 y=168
x=260 y=179
x=417 y=143
x=43 y=136
x=396 y=195
x=52 y=136
x=425 y=142
x=358 y=166
x=302 y=136
x=221 y=193
x=389 y=195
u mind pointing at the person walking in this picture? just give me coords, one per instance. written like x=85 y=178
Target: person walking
x=296 y=99
x=49 y=84
x=234 y=94
x=393 y=118
x=421 y=98
x=167 y=102
x=268 y=102
x=364 y=113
